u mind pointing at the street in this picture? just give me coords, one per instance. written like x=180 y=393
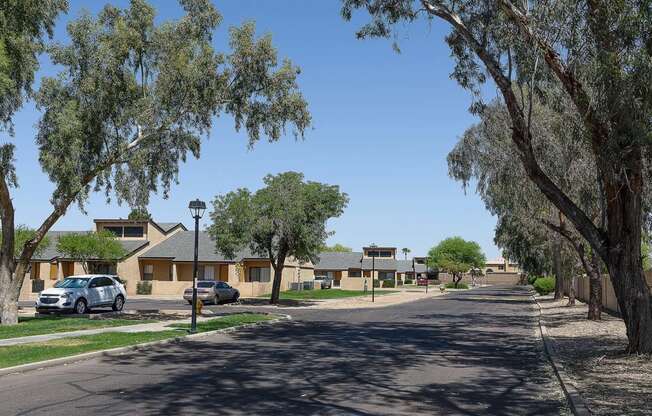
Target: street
x=466 y=353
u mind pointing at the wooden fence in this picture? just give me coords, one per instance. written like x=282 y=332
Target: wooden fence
x=609 y=300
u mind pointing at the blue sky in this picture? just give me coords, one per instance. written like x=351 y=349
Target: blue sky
x=383 y=124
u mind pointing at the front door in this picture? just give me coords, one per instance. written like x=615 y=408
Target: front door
x=95 y=292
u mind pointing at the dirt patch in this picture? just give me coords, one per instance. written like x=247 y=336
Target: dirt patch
x=611 y=382
x=67 y=342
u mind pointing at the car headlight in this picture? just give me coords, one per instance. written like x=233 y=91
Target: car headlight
x=66 y=295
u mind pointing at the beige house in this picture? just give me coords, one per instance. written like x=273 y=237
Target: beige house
x=500 y=265
x=162 y=254
x=350 y=270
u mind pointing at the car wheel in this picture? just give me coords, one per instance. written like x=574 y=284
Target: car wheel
x=81 y=307
x=236 y=296
x=216 y=300
x=118 y=304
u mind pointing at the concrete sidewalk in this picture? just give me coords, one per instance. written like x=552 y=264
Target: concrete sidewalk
x=149 y=327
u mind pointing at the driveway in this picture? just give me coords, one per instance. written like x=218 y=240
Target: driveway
x=467 y=353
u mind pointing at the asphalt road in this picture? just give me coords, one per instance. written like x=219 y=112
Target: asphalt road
x=468 y=353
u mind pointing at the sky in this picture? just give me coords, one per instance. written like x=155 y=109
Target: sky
x=383 y=124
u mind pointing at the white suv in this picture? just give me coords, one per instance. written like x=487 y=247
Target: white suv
x=81 y=293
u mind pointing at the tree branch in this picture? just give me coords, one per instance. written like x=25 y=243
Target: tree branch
x=571 y=84
x=521 y=136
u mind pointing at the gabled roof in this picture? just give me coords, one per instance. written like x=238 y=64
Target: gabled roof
x=351 y=260
x=50 y=252
x=164 y=227
x=180 y=247
x=406 y=266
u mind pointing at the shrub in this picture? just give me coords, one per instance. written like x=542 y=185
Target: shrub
x=144 y=288
x=532 y=279
x=460 y=285
x=388 y=283
x=408 y=281
x=376 y=283
x=544 y=285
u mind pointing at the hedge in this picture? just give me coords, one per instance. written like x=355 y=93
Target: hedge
x=544 y=285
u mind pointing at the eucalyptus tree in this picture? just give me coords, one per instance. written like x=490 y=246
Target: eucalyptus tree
x=134 y=98
x=285 y=219
x=599 y=53
x=486 y=153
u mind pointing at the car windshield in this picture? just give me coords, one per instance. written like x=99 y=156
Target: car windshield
x=72 y=283
x=205 y=284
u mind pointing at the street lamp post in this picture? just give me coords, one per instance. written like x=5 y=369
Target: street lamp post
x=373 y=272
x=197 y=209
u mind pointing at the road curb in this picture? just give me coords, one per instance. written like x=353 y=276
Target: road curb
x=39 y=365
x=577 y=403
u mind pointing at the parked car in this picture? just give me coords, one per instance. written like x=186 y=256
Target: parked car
x=81 y=293
x=325 y=281
x=422 y=281
x=212 y=292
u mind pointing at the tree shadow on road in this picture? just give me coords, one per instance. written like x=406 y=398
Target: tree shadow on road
x=429 y=364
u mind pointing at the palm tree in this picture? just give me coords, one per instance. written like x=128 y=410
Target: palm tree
x=405 y=251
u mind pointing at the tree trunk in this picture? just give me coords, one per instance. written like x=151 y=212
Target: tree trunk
x=557 y=267
x=623 y=259
x=9 y=293
x=595 y=291
x=571 y=291
x=276 y=285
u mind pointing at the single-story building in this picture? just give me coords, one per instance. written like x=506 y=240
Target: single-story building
x=162 y=254
x=347 y=269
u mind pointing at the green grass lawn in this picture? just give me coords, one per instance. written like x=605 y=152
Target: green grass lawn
x=226 y=322
x=327 y=294
x=38 y=326
x=40 y=351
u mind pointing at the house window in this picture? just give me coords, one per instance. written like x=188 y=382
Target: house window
x=115 y=230
x=133 y=232
x=501 y=267
x=355 y=273
x=148 y=272
x=206 y=273
x=379 y=253
x=259 y=274
x=383 y=275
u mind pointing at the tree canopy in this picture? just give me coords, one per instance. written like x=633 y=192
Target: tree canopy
x=133 y=98
x=139 y=214
x=456 y=256
x=337 y=248
x=286 y=218
x=100 y=246
x=597 y=53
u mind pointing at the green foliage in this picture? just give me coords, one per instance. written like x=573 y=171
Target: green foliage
x=101 y=246
x=134 y=98
x=460 y=285
x=405 y=251
x=408 y=281
x=456 y=255
x=388 y=284
x=144 y=288
x=337 y=248
x=23 y=27
x=285 y=218
x=532 y=278
x=22 y=234
x=376 y=283
x=544 y=285
x=140 y=214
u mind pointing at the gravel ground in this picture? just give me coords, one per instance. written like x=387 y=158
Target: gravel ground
x=611 y=382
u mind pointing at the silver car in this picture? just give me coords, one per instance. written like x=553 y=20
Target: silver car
x=212 y=292
x=81 y=293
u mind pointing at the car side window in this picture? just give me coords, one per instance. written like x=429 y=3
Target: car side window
x=94 y=283
x=107 y=281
